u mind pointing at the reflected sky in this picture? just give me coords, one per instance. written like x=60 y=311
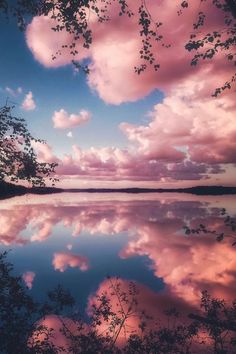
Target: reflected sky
x=77 y=240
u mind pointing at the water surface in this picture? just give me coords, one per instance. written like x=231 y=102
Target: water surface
x=77 y=240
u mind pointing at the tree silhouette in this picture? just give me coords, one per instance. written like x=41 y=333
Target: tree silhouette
x=18 y=160
x=20 y=313
x=219 y=41
x=73 y=16
x=211 y=329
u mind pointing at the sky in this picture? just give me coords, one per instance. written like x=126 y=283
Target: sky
x=113 y=127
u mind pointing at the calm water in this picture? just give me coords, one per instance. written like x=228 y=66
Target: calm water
x=77 y=240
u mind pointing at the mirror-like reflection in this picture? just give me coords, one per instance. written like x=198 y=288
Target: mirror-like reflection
x=77 y=241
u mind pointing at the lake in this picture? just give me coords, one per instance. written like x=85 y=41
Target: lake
x=79 y=239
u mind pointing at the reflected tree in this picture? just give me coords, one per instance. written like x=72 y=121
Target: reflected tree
x=228 y=223
x=211 y=329
x=19 y=314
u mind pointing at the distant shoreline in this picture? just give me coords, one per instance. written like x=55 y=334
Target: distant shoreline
x=8 y=190
x=198 y=190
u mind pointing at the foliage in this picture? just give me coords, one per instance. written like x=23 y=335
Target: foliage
x=219 y=41
x=211 y=330
x=217 y=324
x=73 y=16
x=18 y=160
x=19 y=313
x=228 y=223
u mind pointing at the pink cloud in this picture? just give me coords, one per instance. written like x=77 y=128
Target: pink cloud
x=136 y=167
x=58 y=339
x=149 y=303
x=45 y=43
x=12 y=223
x=185 y=125
x=186 y=264
x=120 y=164
x=153 y=304
x=63 y=260
x=44 y=152
x=43 y=218
x=155 y=229
x=63 y=120
x=28 y=278
x=114 y=54
x=44 y=229
x=28 y=104
x=188 y=137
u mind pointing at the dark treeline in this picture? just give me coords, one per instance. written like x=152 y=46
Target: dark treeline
x=10 y=190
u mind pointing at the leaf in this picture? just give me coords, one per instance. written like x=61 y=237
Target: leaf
x=184 y=4
x=220 y=237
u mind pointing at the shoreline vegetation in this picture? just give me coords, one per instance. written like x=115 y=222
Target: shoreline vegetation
x=54 y=326
x=8 y=190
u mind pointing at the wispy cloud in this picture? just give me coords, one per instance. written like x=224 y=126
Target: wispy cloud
x=69 y=134
x=28 y=104
x=13 y=92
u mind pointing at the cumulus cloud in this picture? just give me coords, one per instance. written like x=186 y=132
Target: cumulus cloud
x=12 y=222
x=28 y=278
x=199 y=269
x=188 y=137
x=114 y=54
x=186 y=125
x=120 y=164
x=44 y=43
x=64 y=120
x=63 y=260
x=43 y=231
x=28 y=104
x=44 y=152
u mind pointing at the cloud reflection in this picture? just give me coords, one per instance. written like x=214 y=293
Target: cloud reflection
x=63 y=260
x=153 y=228
x=28 y=278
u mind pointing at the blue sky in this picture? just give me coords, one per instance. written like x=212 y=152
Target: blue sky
x=54 y=88
x=156 y=129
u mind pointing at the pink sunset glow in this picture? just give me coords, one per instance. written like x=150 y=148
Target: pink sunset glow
x=189 y=137
x=105 y=100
